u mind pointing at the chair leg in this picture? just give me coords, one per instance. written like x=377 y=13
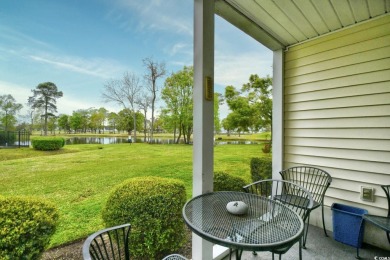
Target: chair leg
x=300 y=248
x=305 y=231
x=238 y=254
x=323 y=220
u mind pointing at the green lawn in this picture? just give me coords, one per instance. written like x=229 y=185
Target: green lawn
x=79 y=178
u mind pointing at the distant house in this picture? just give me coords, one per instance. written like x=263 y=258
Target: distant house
x=331 y=92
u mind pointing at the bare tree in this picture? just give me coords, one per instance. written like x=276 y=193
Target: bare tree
x=144 y=102
x=154 y=71
x=124 y=92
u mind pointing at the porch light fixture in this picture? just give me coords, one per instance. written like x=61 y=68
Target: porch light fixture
x=209 y=89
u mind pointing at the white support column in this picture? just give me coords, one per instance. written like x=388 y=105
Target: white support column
x=277 y=114
x=203 y=148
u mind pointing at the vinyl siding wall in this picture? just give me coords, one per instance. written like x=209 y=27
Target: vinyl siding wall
x=337 y=111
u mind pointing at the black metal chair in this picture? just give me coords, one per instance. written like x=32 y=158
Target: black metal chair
x=316 y=181
x=174 y=257
x=109 y=243
x=381 y=221
x=294 y=196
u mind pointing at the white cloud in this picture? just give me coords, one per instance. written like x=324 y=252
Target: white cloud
x=19 y=92
x=66 y=105
x=179 y=48
x=17 y=38
x=167 y=22
x=179 y=64
x=154 y=15
x=223 y=111
x=97 y=67
x=231 y=69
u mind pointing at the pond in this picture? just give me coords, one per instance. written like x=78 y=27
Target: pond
x=119 y=140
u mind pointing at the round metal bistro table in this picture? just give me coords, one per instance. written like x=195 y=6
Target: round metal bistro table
x=268 y=225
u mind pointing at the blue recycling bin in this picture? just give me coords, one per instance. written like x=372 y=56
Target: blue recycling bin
x=348 y=224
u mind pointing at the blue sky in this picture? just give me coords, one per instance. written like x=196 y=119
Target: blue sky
x=80 y=45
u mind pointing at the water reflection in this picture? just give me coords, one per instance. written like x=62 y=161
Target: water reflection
x=95 y=140
x=119 y=140
x=235 y=142
x=113 y=140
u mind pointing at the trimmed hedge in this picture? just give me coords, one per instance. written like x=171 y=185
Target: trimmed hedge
x=48 y=143
x=261 y=168
x=153 y=207
x=226 y=182
x=26 y=225
x=8 y=138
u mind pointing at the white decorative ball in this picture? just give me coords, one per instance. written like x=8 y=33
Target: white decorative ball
x=237 y=207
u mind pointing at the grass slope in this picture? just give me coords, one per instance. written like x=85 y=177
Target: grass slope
x=79 y=178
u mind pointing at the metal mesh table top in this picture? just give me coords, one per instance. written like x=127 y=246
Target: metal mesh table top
x=267 y=225
x=382 y=222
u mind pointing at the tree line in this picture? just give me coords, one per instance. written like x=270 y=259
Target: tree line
x=250 y=106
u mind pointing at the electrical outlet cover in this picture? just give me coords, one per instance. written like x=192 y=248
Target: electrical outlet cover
x=367 y=193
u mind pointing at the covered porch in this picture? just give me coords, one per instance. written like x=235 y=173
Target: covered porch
x=331 y=97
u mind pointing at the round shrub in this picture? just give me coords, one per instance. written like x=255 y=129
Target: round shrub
x=153 y=207
x=226 y=182
x=261 y=168
x=26 y=225
x=48 y=143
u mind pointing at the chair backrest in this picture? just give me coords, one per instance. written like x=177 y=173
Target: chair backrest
x=175 y=257
x=313 y=179
x=109 y=243
x=295 y=196
x=386 y=188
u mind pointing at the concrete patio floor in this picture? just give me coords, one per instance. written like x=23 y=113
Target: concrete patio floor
x=321 y=247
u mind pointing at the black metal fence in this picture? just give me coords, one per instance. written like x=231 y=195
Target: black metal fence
x=15 y=138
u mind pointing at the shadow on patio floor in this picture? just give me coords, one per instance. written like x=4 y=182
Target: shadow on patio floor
x=320 y=247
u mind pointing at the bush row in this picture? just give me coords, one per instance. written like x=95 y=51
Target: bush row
x=152 y=206
x=48 y=143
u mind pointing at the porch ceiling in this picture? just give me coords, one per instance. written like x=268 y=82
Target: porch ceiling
x=281 y=23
